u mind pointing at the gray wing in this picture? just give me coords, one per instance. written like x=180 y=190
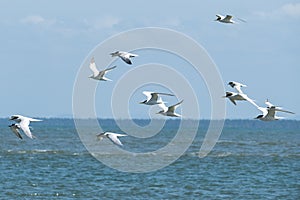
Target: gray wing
x=173 y=107
x=228 y=17
x=16 y=131
x=114 y=138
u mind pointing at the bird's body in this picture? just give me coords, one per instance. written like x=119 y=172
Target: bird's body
x=23 y=124
x=125 y=56
x=153 y=98
x=99 y=75
x=227 y=19
x=112 y=136
x=169 y=111
x=233 y=97
x=269 y=113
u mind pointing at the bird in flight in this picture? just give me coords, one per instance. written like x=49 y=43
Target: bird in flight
x=99 y=75
x=169 y=111
x=269 y=113
x=23 y=124
x=153 y=98
x=125 y=56
x=112 y=136
x=227 y=19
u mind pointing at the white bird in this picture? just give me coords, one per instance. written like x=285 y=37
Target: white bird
x=23 y=124
x=15 y=128
x=112 y=136
x=227 y=19
x=152 y=98
x=233 y=96
x=125 y=56
x=269 y=113
x=237 y=86
x=169 y=111
x=99 y=75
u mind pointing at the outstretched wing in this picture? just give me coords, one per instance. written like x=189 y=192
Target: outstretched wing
x=93 y=67
x=173 y=107
x=114 y=138
x=250 y=100
x=286 y=111
x=110 y=68
x=148 y=95
x=228 y=18
x=24 y=125
x=163 y=106
x=15 y=129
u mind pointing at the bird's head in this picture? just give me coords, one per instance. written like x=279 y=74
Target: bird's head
x=14 y=117
x=218 y=18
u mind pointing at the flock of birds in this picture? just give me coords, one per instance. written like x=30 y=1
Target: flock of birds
x=154 y=98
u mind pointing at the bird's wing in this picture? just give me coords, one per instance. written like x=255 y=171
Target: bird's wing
x=173 y=107
x=24 y=125
x=126 y=59
x=228 y=17
x=167 y=94
x=268 y=103
x=16 y=131
x=130 y=55
x=93 y=67
x=110 y=68
x=148 y=95
x=242 y=20
x=271 y=112
x=114 y=138
x=286 y=111
x=250 y=100
x=232 y=100
x=34 y=120
x=163 y=106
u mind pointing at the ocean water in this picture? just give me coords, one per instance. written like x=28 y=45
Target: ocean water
x=251 y=160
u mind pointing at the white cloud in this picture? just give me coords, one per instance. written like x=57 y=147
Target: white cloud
x=287 y=10
x=33 y=19
x=292 y=9
x=105 y=22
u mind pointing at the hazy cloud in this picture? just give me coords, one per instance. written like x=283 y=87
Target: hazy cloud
x=37 y=20
x=290 y=10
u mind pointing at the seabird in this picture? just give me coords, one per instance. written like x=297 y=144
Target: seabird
x=233 y=96
x=152 y=98
x=23 y=124
x=112 y=136
x=169 y=111
x=269 y=113
x=237 y=86
x=227 y=19
x=125 y=56
x=99 y=75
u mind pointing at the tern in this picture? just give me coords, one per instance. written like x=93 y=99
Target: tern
x=227 y=19
x=169 y=111
x=15 y=128
x=125 y=56
x=233 y=96
x=152 y=98
x=112 y=136
x=269 y=113
x=23 y=124
x=99 y=75
x=237 y=86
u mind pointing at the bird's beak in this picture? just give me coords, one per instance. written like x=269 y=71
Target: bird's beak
x=140 y=102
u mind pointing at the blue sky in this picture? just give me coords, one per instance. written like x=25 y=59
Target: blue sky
x=44 y=43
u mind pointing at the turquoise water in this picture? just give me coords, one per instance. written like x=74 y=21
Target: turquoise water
x=252 y=160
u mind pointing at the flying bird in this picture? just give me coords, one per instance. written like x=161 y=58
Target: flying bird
x=237 y=86
x=125 y=56
x=233 y=97
x=269 y=113
x=227 y=19
x=152 y=98
x=169 y=111
x=99 y=75
x=23 y=124
x=15 y=128
x=112 y=136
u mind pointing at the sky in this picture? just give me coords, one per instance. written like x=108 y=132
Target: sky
x=44 y=44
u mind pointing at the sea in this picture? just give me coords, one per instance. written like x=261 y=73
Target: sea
x=250 y=160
